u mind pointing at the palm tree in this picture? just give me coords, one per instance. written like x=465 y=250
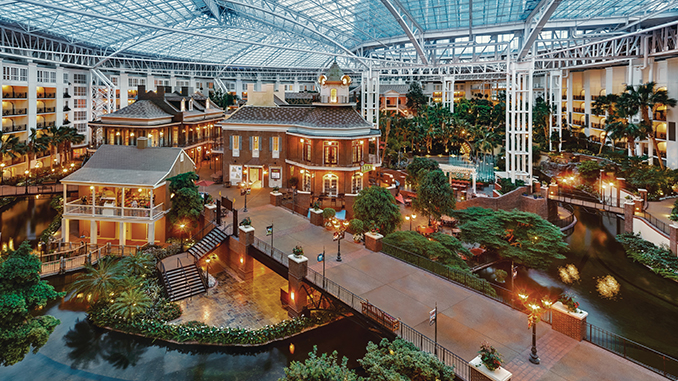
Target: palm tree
x=140 y=264
x=97 y=282
x=37 y=143
x=646 y=100
x=54 y=143
x=131 y=302
x=622 y=127
x=605 y=105
x=71 y=137
x=10 y=146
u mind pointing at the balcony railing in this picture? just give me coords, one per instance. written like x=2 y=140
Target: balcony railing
x=14 y=128
x=660 y=115
x=46 y=95
x=597 y=125
x=14 y=95
x=44 y=110
x=16 y=111
x=78 y=208
x=659 y=135
x=45 y=125
x=579 y=110
x=578 y=97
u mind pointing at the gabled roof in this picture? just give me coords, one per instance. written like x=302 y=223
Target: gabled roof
x=319 y=117
x=400 y=89
x=143 y=109
x=127 y=165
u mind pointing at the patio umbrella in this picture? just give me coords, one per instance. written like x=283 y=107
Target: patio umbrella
x=204 y=183
x=400 y=199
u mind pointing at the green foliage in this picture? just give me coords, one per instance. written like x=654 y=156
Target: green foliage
x=569 y=302
x=522 y=237
x=435 y=197
x=320 y=368
x=453 y=245
x=186 y=203
x=589 y=170
x=130 y=302
x=138 y=265
x=490 y=357
x=418 y=168
x=378 y=204
x=399 y=360
x=500 y=275
x=356 y=226
x=223 y=100
x=21 y=293
x=97 y=282
x=433 y=250
x=415 y=97
x=661 y=261
x=329 y=213
x=57 y=204
x=507 y=185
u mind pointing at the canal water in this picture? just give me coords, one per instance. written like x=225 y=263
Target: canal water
x=25 y=219
x=645 y=307
x=77 y=351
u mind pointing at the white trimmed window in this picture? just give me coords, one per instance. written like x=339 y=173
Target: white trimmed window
x=255 y=145
x=235 y=145
x=275 y=147
x=330 y=183
x=357 y=183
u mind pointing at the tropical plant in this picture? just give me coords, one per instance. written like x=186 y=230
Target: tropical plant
x=97 y=282
x=37 y=143
x=660 y=260
x=138 y=265
x=320 y=368
x=23 y=292
x=435 y=197
x=490 y=357
x=378 y=204
x=500 y=275
x=439 y=248
x=131 y=302
x=418 y=168
x=400 y=360
x=415 y=97
x=246 y=222
x=187 y=202
x=568 y=300
x=604 y=105
x=223 y=100
x=329 y=213
x=589 y=170
x=298 y=251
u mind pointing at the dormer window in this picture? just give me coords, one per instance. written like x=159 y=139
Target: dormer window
x=190 y=105
x=333 y=96
x=183 y=105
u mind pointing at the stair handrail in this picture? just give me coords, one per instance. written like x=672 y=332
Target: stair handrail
x=165 y=281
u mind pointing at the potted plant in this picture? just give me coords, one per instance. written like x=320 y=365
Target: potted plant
x=489 y=357
x=316 y=206
x=374 y=228
x=298 y=251
x=293 y=182
x=276 y=189
x=357 y=228
x=246 y=222
x=568 y=301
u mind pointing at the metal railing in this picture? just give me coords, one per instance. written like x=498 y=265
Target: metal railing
x=8 y=190
x=272 y=252
x=646 y=357
x=78 y=207
x=462 y=369
x=64 y=265
x=587 y=204
x=654 y=221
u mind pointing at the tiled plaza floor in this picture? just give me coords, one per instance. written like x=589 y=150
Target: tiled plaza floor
x=237 y=303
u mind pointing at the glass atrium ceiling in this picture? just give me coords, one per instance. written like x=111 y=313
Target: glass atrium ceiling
x=284 y=33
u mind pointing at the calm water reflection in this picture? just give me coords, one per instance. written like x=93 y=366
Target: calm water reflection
x=26 y=219
x=646 y=308
x=78 y=351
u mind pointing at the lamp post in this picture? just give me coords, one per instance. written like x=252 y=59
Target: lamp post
x=28 y=176
x=533 y=317
x=245 y=191
x=2 y=172
x=410 y=218
x=339 y=232
x=181 y=229
x=207 y=286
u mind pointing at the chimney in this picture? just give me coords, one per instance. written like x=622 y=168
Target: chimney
x=141 y=92
x=142 y=142
x=161 y=90
x=184 y=91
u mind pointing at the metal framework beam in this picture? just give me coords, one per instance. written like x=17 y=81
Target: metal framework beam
x=547 y=7
x=410 y=35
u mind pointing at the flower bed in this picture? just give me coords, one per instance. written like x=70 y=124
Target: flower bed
x=661 y=261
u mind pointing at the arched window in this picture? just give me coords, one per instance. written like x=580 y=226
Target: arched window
x=306 y=181
x=330 y=185
x=333 y=96
x=357 y=183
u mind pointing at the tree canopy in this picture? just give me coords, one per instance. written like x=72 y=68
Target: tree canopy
x=522 y=237
x=23 y=292
x=320 y=368
x=186 y=203
x=378 y=204
x=418 y=168
x=435 y=197
x=399 y=360
x=416 y=97
x=442 y=248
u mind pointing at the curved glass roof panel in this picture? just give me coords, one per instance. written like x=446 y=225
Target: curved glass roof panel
x=303 y=33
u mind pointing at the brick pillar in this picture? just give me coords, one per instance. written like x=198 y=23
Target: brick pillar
x=317 y=217
x=297 y=297
x=569 y=323
x=628 y=216
x=246 y=235
x=673 y=240
x=621 y=183
x=244 y=266
x=638 y=205
x=537 y=187
x=643 y=196
x=349 y=201
x=276 y=198
x=303 y=202
x=553 y=189
x=479 y=372
x=373 y=241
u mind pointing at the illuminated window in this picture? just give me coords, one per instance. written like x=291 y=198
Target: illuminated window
x=357 y=183
x=330 y=182
x=357 y=150
x=306 y=154
x=330 y=152
x=333 y=96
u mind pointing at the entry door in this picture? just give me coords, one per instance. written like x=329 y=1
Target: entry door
x=330 y=185
x=255 y=177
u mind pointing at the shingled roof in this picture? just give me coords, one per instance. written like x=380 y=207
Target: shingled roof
x=126 y=165
x=334 y=73
x=320 y=116
x=400 y=89
x=143 y=109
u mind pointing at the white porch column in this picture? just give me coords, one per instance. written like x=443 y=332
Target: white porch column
x=123 y=202
x=93 y=232
x=121 y=233
x=473 y=181
x=65 y=229
x=151 y=233
x=93 y=201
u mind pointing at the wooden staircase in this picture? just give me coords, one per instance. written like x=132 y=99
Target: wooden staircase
x=183 y=282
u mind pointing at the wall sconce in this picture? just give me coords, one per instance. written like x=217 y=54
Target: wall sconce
x=292 y=296
x=242 y=260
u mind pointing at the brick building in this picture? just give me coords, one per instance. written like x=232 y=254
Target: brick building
x=326 y=146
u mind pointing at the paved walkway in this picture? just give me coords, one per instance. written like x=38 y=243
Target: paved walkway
x=236 y=303
x=466 y=318
x=661 y=209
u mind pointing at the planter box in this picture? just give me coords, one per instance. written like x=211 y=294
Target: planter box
x=373 y=241
x=317 y=217
x=276 y=198
x=479 y=372
x=572 y=324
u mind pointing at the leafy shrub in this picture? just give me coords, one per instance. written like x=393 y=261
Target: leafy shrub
x=329 y=213
x=490 y=357
x=661 y=261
